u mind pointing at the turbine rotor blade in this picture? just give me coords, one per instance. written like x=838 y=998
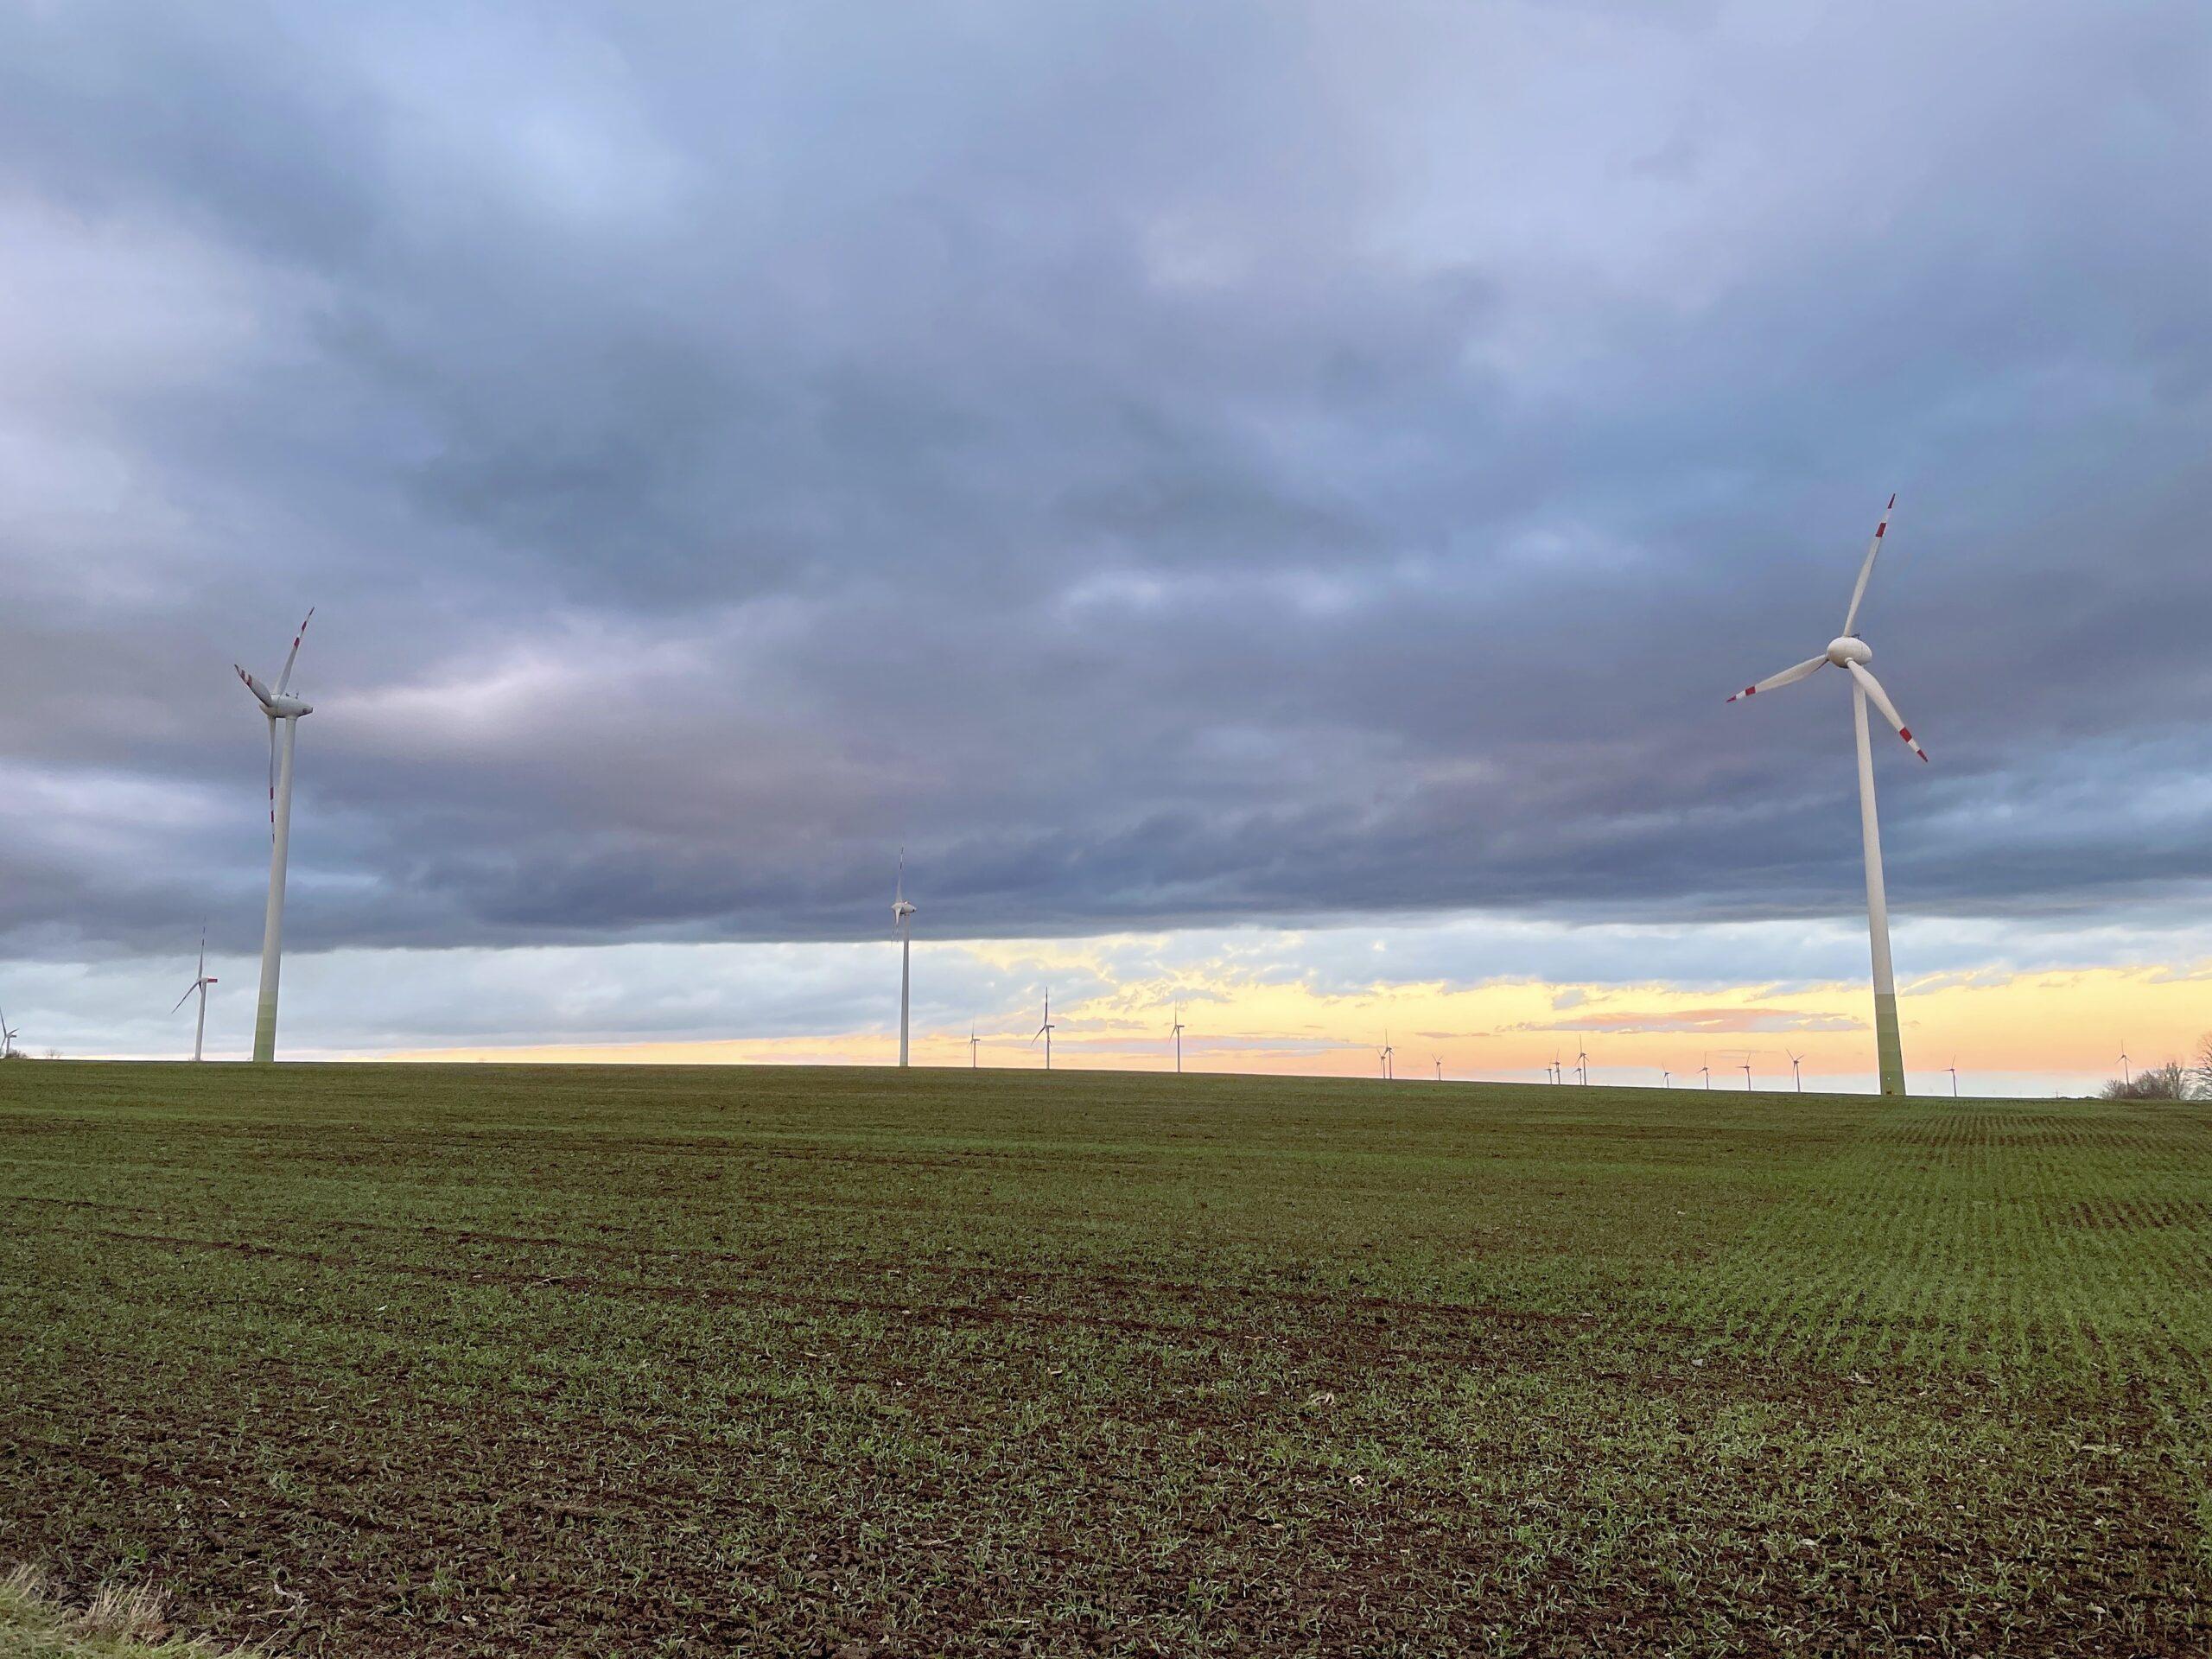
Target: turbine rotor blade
x=1866 y=570
x=1880 y=699
x=1788 y=677
x=285 y=680
x=187 y=997
x=255 y=686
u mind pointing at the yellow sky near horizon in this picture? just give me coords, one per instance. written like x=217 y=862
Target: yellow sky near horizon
x=2066 y=1024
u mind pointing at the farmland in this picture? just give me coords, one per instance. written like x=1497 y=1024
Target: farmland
x=510 y=1360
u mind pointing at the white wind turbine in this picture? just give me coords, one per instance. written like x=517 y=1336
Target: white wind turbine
x=1582 y=1065
x=1176 y=1032
x=201 y=985
x=1384 y=1053
x=1797 y=1069
x=283 y=711
x=974 y=1043
x=1666 y=1079
x=1850 y=653
x=902 y=924
x=8 y=1035
x=1045 y=1032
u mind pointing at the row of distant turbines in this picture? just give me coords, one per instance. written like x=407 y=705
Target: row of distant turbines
x=283 y=711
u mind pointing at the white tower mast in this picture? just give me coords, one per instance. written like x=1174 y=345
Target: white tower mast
x=284 y=713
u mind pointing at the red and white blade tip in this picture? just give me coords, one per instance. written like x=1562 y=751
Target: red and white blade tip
x=1748 y=691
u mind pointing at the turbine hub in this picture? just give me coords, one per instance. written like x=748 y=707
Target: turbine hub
x=282 y=707
x=1849 y=648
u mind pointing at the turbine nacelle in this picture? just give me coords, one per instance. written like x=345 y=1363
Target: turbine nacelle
x=277 y=705
x=1848 y=649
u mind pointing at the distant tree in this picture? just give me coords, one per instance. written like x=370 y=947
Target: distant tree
x=2172 y=1081
x=2203 y=1070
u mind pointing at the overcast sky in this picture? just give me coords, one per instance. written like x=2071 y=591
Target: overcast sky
x=1171 y=467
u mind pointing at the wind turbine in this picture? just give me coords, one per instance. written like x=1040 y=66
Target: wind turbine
x=1582 y=1065
x=1707 y=1069
x=972 y=1041
x=8 y=1035
x=1438 y=1058
x=2125 y=1076
x=1797 y=1069
x=902 y=924
x=284 y=712
x=1852 y=654
x=1384 y=1053
x=201 y=985
x=1176 y=1032
x=1953 y=1069
x=1666 y=1079
x=1747 y=1077
x=1559 y=1072
x=1045 y=1032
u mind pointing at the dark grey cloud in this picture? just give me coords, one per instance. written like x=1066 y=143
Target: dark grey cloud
x=1164 y=464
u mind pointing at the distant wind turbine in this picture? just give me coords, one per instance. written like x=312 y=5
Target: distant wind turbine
x=902 y=924
x=1707 y=1069
x=1797 y=1069
x=1176 y=1032
x=1666 y=1079
x=2125 y=1076
x=973 y=1042
x=1045 y=1032
x=1582 y=1065
x=1747 y=1077
x=8 y=1035
x=200 y=984
x=1439 y=1067
x=1559 y=1070
x=1954 y=1069
x=284 y=712
x=1852 y=654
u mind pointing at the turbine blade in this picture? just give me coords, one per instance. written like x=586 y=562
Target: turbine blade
x=254 y=686
x=1866 y=570
x=187 y=997
x=285 y=680
x=1788 y=677
x=1880 y=699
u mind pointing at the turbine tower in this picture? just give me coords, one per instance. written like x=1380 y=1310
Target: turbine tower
x=1953 y=1069
x=1045 y=1032
x=974 y=1041
x=1797 y=1069
x=284 y=712
x=902 y=924
x=201 y=985
x=1176 y=1032
x=1666 y=1079
x=1438 y=1058
x=1582 y=1065
x=1850 y=653
x=1383 y=1054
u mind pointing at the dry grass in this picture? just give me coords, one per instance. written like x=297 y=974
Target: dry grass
x=122 y=1621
